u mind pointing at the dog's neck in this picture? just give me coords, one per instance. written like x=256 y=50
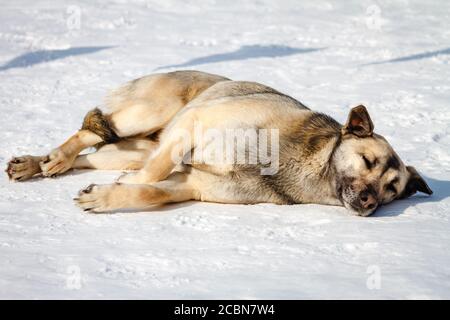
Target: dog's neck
x=314 y=175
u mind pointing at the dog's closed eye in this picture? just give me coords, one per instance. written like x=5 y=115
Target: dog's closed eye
x=391 y=186
x=369 y=164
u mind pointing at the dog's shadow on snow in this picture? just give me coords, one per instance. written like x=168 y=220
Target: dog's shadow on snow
x=441 y=191
x=36 y=57
x=419 y=56
x=244 y=53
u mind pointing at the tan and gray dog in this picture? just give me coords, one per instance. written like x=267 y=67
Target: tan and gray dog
x=318 y=160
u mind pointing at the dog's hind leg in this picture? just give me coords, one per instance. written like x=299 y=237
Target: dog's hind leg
x=24 y=167
x=58 y=161
x=112 y=160
x=127 y=154
x=142 y=107
x=95 y=130
x=123 y=155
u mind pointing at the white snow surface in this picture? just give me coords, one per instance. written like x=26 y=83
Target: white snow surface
x=391 y=56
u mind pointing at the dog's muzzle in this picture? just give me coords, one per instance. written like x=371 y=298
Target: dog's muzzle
x=362 y=203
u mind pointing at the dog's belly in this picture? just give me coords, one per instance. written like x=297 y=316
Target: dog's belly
x=228 y=184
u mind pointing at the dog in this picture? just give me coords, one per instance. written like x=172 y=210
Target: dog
x=317 y=159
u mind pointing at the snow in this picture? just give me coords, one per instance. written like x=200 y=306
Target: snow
x=57 y=61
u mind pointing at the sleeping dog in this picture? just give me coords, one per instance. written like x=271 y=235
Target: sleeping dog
x=148 y=126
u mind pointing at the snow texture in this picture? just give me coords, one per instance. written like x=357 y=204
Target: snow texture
x=59 y=59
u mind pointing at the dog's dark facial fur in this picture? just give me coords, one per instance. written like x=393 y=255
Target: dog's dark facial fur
x=368 y=171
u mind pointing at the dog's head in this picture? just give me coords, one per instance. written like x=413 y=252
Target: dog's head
x=369 y=172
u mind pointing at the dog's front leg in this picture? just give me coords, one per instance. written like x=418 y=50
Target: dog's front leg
x=174 y=145
x=110 y=197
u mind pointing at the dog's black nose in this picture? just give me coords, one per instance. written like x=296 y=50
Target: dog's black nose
x=367 y=200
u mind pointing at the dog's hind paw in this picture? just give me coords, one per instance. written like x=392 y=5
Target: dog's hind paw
x=23 y=168
x=56 y=163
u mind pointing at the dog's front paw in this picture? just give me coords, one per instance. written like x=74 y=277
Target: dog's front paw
x=96 y=198
x=56 y=163
x=23 y=168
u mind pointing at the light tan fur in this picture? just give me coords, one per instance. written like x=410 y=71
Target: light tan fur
x=320 y=161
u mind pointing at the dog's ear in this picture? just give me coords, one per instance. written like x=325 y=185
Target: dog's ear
x=358 y=122
x=415 y=183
